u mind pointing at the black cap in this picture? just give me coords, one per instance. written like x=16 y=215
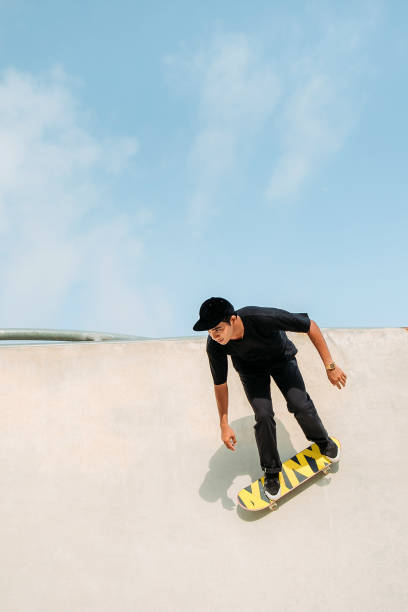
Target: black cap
x=213 y=311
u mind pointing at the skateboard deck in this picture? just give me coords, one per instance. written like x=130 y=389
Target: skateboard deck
x=295 y=471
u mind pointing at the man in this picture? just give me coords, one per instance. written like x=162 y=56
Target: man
x=259 y=347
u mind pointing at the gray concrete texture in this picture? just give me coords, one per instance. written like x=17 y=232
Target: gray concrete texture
x=117 y=493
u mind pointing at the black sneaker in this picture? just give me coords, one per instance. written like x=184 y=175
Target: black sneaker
x=272 y=486
x=332 y=452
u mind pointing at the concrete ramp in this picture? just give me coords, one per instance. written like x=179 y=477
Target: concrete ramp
x=118 y=495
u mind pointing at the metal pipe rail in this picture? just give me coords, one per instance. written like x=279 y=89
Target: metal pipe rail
x=55 y=335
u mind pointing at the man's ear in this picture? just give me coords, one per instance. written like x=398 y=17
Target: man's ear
x=233 y=318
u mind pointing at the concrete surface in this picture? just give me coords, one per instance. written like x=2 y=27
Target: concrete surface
x=118 y=495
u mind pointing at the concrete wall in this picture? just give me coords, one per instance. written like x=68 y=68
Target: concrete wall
x=117 y=493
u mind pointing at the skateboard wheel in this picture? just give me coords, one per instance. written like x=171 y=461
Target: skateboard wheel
x=326 y=470
x=273 y=506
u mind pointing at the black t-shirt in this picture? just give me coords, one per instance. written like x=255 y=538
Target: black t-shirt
x=264 y=343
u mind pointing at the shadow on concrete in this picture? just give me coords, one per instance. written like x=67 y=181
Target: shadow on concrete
x=225 y=466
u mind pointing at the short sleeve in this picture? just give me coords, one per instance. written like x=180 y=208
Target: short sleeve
x=274 y=319
x=218 y=362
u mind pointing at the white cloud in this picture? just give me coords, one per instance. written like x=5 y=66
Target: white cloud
x=302 y=90
x=312 y=130
x=237 y=93
x=69 y=254
x=322 y=100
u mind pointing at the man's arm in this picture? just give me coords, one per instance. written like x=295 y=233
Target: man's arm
x=337 y=376
x=227 y=434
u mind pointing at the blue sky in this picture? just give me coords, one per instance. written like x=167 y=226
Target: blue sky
x=154 y=154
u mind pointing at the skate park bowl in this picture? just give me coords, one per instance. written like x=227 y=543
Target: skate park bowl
x=119 y=495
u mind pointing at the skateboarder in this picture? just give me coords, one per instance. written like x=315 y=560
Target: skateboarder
x=255 y=338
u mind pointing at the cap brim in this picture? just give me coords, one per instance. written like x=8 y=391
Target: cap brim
x=205 y=325
x=201 y=326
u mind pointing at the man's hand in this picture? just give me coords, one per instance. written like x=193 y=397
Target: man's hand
x=228 y=437
x=337 y=377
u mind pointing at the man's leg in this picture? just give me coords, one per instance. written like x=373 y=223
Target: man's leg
x=257 y=388
x=290 y=382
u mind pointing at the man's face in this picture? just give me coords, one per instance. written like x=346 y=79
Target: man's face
x=222 y=333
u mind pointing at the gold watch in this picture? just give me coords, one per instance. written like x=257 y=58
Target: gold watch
x=331 y=366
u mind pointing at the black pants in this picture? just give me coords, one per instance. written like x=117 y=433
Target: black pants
x=289 y=380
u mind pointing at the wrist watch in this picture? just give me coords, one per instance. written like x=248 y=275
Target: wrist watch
x=331 y=366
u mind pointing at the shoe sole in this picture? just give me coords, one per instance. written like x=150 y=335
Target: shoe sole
x=273 y=497
x=335 y=459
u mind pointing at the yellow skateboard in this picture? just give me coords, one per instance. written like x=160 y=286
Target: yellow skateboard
x=295 y=471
